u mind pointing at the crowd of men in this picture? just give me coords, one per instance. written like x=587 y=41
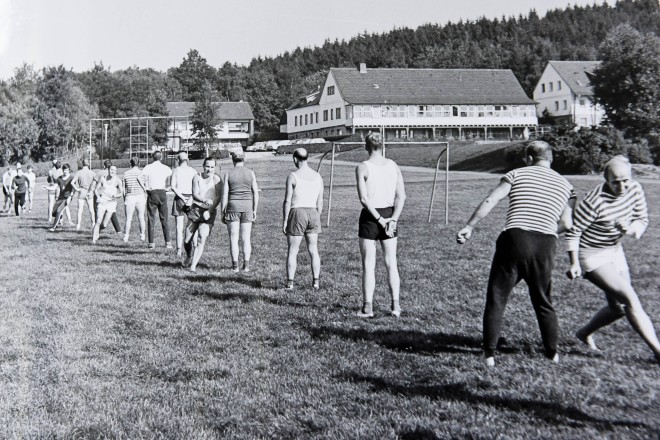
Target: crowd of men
x=542 y=205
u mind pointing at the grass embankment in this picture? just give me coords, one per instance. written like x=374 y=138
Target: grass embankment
x=115 y=340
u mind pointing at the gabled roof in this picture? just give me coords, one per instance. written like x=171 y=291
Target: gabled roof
x=226 y=111
x=576 y=74
x=430 y=86
x=307 y=100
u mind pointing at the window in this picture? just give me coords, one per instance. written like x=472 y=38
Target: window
x=306 y=120
x=565 y=105
x=295 y=122
x=317 y=117
x=454 y=110
x=311 y=118
x=349 y=112
x=558 y=85
x=550 y=84
x=542 y=88
x=332 y=114
x=325 y=115
x=556 y=105
x=238 y=127
x=331 y=90
x=583 y=102
x=338 y=113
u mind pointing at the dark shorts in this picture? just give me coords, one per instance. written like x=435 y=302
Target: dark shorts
x=179 y=206
x=303 y=221
x=243 y=217
x=196 y=215
x=370 y=229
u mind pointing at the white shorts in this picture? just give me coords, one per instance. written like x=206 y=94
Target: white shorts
x=108 y=205
x=593 y=258
x=135 y=200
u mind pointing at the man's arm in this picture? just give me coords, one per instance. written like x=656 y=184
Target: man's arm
x=286 y=206
x=485 y=207
x=319 y=200
x=566 y=219
x=225 y=195
x=399 y=196
x=255 y=196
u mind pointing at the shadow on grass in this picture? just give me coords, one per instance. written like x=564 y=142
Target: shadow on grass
x=125 y=251
x=404 y=340
x=216 y=278
x=163 y=263
x=551 y=412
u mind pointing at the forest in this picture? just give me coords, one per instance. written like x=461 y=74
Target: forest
x=45 y=113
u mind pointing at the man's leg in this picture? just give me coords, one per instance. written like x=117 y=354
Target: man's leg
x=203 y=232
x=90 y=207
x=51 y=207
x=129 y=208
x=189 y=242
x=368 y=252
x=246 y=239
x=389 y=253
x=313 y=249
x=102 y=218
x=539 y=281
x=67 y=211
x=179 y=233
x=293 y=245
x=152 y=211
x=233 y=229
x=115 y=222
x=164 y=221
x=140 y=207
x=30 y=197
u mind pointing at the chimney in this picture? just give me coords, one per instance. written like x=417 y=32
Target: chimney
x=363 y=67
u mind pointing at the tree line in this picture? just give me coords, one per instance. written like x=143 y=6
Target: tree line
x=45 y=113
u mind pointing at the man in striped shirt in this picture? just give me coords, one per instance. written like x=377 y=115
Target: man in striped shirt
x=540 y=207
x=610 y=211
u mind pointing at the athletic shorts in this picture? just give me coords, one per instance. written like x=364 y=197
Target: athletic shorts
x=243 y=217
x=303 y=221
x=196 y=215
x=109 y=205
x=593 y=258
x=135 y=200
x=179 y=206
x=369 y=228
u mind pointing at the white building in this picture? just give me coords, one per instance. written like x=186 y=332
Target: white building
x=414 y=104
x=565 y=91
x=236 y=126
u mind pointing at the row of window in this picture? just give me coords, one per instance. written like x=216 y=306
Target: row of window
x=320 y=133
x=313 y=117
x=439 y=111
x=550 y=86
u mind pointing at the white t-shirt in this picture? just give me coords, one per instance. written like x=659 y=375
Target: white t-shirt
x=156 y=175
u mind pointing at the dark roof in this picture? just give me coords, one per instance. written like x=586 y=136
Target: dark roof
x=307 y=100
x=226 y=111
x=430 y=86
x=576 y=74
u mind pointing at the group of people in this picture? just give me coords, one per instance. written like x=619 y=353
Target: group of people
x=542 y=205
x=18 y=188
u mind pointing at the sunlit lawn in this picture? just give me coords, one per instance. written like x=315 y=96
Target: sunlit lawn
x=117 y=341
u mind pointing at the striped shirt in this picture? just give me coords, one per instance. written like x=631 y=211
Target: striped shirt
x=537 y=198
x=131 y=184
x=594 y=220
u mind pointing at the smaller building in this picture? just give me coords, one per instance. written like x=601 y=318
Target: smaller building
x=565 y=91
x=236 y=126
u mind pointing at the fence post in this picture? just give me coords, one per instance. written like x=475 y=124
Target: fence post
x=332 y=174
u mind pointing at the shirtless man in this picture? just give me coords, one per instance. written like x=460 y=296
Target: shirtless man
x=181 y=183
x=206 y=192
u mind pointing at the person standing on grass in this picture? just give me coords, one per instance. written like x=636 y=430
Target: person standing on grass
x=20 y=186
x=7 y=179
x=134 y=198
x=182 y=178
x=240 y=199
x=157 y=177
x=206 y=192
x=63 y=192
x=101 y=175
x=108 y=190
x=54 y=174
x=33 y=182
x=82 y=183
x=540 y=207
x=612 y=210
x=382 y=195
x=301 y=215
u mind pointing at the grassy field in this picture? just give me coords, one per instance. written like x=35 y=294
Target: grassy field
x=117 y=341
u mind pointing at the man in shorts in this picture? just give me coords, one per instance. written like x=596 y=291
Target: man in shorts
x=53 y=175
x=301 y=216
x=102 y=174
x=33 y=182
x=206 y=193
x=82 y=182
x=382 y=195
x=182 y=177
x=7 y=179
x=20 y=186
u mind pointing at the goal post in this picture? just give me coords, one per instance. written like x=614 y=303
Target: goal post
x=445 y=152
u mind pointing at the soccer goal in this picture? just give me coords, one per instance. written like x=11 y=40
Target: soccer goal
x=348 y=146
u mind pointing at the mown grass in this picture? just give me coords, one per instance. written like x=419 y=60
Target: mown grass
x=117 y=341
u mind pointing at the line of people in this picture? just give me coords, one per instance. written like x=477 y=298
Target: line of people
x=18 y=188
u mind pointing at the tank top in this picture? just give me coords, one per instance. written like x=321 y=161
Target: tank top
x=306 y=192
x=381 y=183
x=109 y=187
x=239 y=180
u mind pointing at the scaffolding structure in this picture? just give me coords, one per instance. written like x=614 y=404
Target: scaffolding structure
x=139 y=139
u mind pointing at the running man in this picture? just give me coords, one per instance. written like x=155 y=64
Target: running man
x=134 y=189
x=7 y=179
x=609 y=212
x=182 y=177
x=108 y=190
x=206 y=192
x=101 y=175
x=82 y=183
x=157 y=177
x=301 y=216
x=20 y=187
x=240 y=199
x=382 y=194
x=540 y=207
x=33 y=183
x=63 y=192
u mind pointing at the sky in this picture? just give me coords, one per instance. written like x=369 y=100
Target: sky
x=159 y=33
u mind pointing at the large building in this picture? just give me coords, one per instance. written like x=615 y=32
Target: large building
x=236 y=126
x=565 y=92
x=414 y=104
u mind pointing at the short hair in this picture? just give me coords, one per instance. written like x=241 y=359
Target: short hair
x=85 y=162
x=157 y=155
x=207 y=159
x=107 y=163
x=182 y=156
x=66 y=166
x=614 y=161
x=300 y=154
x=539 y=150
x=134 y=162
x=374 y=141
x=29 y=167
